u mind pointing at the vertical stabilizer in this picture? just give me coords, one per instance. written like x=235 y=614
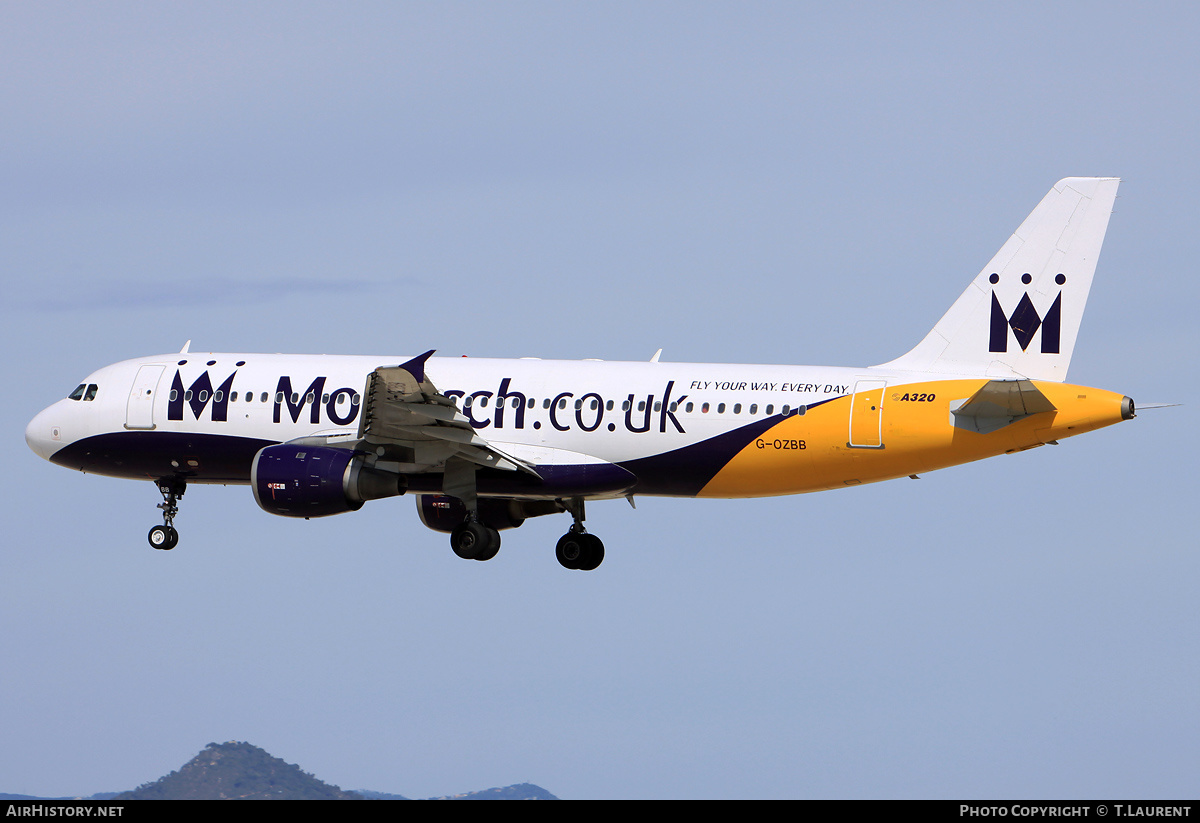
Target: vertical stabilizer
x=1019 y=318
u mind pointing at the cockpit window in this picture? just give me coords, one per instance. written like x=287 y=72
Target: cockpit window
x=90 y=394
x=78 y=393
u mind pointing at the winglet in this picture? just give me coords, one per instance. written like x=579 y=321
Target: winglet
x=416 y=366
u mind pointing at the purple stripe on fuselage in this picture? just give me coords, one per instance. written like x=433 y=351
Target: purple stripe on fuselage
x=218 y=458
x=200 y=458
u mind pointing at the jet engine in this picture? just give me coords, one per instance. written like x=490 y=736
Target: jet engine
x=295 y=480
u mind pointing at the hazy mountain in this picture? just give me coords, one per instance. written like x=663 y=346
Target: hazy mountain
x=237 y=771
x=241 y=771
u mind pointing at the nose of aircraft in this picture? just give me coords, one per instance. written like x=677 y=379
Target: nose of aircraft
x=44 y=434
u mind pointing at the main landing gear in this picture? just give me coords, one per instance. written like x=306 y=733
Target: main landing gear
x=471 y=540
x=165 y=537
x=475 y=541
x=577 y=549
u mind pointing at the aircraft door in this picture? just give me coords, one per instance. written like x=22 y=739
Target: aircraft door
x=866 y=414
x=139 y=411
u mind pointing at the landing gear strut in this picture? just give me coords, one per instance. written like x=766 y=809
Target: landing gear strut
x=471 y=540
x=577 y=549
x=165 y=537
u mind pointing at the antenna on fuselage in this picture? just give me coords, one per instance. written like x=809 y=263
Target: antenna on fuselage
x=185 y=348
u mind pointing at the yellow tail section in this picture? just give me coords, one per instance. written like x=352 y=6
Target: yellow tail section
x=881 y=433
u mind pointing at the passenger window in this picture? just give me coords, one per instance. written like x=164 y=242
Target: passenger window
x=737 y=408
x=770 y=408
x=264 y=397
x=689 y=408
x=721 y=408
x=784 y=410
x=232 y=396
x=754 y=408
x=704 y=408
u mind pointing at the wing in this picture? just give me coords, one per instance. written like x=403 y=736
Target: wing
x=415 y=425
x=409 y=428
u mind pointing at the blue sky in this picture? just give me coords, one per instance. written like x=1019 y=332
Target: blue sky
x=750 y=182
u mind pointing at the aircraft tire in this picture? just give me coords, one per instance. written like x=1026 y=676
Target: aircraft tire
x=569 y=550
x=583 y=552
x=490 y=550
x=471 y=540
x=593 y=554
x=163 y=537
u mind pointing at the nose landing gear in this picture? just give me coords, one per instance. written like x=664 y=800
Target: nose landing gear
x=165 y=537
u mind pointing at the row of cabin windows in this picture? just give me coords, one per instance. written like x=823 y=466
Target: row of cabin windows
x=218 y=396
x=688 y=407
x=87 y=391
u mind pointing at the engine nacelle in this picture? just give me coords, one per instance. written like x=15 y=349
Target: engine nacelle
x=315 y=481
x=443 y=513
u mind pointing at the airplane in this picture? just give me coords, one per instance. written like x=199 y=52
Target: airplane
x=484 y=444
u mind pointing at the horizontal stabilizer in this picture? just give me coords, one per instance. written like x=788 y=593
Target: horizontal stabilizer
x=999 y=403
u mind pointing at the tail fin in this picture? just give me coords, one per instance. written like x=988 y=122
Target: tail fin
x=1020 y=316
